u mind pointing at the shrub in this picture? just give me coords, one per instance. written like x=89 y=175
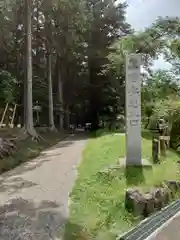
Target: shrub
x=8 y=87
x=168 y=109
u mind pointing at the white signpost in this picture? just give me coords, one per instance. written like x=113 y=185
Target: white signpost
x=133 y=110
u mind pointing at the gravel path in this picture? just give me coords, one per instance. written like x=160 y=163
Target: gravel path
x=34 y=196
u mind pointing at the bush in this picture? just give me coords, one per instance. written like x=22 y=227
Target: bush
x=8 y=87
x=169 y=110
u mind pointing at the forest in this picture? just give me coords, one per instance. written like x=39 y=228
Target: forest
x=63 y=62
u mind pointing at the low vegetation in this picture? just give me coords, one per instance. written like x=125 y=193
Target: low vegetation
x=28 y=149
x=97 y=201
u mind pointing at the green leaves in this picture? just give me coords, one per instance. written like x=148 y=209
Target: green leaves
x=168 y=26
x=175 y=47
x=147 y=43
x=8 y=86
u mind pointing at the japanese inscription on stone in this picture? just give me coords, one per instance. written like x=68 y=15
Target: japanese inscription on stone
x=133 y=109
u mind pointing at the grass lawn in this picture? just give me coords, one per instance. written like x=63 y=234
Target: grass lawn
x=97 y=200
x=29 y=149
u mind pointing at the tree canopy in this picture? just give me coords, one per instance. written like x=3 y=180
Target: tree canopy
x=78 y=51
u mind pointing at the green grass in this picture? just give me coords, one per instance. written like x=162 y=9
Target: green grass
x=97 y=201
x=29 y=149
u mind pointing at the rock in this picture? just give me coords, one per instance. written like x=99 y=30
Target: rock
x=145 y=204
x=165 y=195
x=173 y=185
x=160 y=196
x=149 y=204
x=134 y=202
x=6 y=147
x=168 y=191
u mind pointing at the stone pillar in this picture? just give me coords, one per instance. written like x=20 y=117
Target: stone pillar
x=133 y=110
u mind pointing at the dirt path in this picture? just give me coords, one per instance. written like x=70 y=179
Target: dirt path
x=34 y=197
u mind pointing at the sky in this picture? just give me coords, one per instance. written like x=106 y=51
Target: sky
x=142 y=13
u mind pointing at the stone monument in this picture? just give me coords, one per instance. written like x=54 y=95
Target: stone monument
x=133 y=111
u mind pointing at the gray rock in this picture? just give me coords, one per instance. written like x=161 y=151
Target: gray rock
x=165 y=195
x=6 y=147
x=135 y=202
x=160 y=196
x=173 y=185
x=149 y=204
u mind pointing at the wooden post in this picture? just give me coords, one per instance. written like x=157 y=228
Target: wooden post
x=4 y=113
x=167 y=137
x=167 y=140
x=13 y=116
x=155 y=149
x=162 y=132
x=162 y=144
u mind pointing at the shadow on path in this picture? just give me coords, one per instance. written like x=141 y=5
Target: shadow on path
x=47 y=155
x=26 y=220
x=13 y=184
x=34 y=196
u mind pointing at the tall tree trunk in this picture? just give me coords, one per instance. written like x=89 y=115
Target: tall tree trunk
x=94 y=98
x=51 y=107
x=29 y=127
x=49 y=65
x=60 y=94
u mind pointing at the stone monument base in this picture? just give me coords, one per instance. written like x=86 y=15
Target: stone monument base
x=144 y=163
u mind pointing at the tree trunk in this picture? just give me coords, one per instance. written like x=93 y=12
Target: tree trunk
x=60 y=94
x=28 y=125
x=66 y=118
x=94 y=99
x=49 y=66
x=51 y=108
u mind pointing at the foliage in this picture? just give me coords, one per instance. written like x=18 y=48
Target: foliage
x=146 y=43
x=157 y=91
x=160 y=85
x=82 y=31
x=168 y=28
x=106 y=23
x=8 y=86
x=168 y=109
x=89 y=42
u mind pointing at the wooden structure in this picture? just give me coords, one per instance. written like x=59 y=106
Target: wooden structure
x=8 y=115
x=37 y=109
x=160 y=140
